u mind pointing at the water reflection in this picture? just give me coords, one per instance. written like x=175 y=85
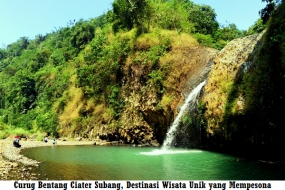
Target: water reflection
x=129 y=163
x=169 y=151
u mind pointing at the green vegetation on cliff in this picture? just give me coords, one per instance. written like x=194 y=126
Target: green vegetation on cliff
x=83 y=77
x=264 y=91
x=122 y=75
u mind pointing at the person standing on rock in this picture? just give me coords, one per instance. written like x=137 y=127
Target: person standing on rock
x=46 y=139
x=16 y=141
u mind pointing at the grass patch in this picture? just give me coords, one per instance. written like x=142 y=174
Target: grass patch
x=17 y=131
x=182 y=40
x=145 y=41
x=166 y=101
x=108 y=114
x=73 y=106
x=3 y=135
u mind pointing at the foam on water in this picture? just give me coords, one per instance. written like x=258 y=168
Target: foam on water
x=169 y=151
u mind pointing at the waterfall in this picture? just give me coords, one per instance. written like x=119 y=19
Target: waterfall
x=192 y=97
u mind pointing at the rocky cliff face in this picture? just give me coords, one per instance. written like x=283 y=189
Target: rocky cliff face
x=230 y=62
x=153 y=92
x=151 y=103
x=151 y=108
x=242 y=101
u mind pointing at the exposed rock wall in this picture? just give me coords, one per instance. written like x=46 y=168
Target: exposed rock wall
x=230 y=62
x=146 y=117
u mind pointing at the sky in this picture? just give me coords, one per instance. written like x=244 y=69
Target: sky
x=19 y=18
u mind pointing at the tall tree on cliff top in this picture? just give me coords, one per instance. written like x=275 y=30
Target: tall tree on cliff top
x=266 y=12
x=129 y=13
x=204 y=18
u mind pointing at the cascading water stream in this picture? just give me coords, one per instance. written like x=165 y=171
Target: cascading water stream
x=192 y=97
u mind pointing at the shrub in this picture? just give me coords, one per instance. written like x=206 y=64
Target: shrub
x=17 y=131
x=205 y=40
x=3 y=134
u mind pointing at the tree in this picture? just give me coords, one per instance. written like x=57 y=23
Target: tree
x=16 y=48
x=3 y=53
x=129 y=13
x=24 y=42
x=266 y=12
x=257 y=27
x=39 y=38
x=204 y=19
x=228 y=32
x=21 y=93
x=171 y=15
x=82 y=34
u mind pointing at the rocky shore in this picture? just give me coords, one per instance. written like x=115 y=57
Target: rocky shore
x=15 y=166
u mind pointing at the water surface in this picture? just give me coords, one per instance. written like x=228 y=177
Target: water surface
x=133 y=163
